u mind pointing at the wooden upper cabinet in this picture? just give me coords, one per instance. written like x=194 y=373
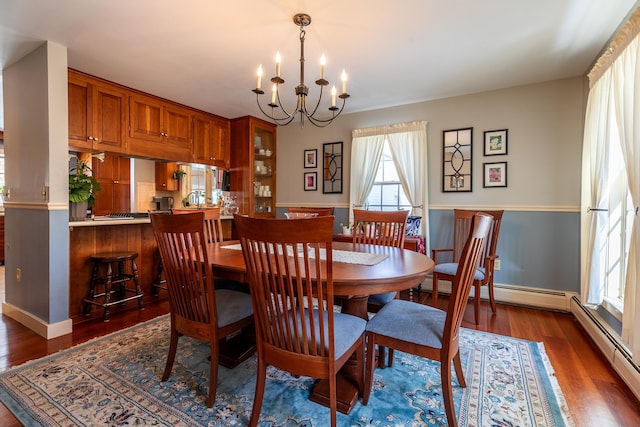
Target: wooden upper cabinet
x=97 y=115
x=114 y=176
x=211 y=140
x=159 y=129
x=164 y=176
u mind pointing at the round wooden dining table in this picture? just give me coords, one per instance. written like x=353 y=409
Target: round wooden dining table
x=400 y=269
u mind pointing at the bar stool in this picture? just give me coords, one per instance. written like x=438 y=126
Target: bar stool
x=114 y=282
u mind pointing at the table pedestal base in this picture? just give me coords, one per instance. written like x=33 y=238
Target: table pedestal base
x=346 y=394
x=236 y=350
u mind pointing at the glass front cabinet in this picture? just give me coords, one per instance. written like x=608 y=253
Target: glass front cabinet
x=253 y=166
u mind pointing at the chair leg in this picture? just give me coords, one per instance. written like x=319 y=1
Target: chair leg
x=492 y=299
x=476 y=303
x=390 y=364
x=361 y=364
x=333 y=400
x=369 y=368
x=434 y=290
x=213 y=375
x=447 y=393
x=259 y=394
x=381 y=357
x=457 y=364
x=173 y=345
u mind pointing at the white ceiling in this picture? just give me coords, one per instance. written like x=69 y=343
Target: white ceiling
x=205 y=53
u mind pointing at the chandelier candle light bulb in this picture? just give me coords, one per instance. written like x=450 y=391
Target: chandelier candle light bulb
x=344 y=82
x=273 y=93
x=333 y=96
x=323 y=62
x=259 y=77
x=278 y=59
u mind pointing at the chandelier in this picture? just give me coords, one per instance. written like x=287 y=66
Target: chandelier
x=278 y=113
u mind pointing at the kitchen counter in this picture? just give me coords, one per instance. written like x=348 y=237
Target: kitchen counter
x=121 y=221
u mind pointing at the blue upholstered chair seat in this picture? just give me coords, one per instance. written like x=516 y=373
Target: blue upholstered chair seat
x=450 y=269
x=382 y=299
x=232 y=306
x=347 y=329
x=411 y=322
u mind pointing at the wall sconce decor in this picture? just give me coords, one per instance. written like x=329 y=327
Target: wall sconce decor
x=456 y=159
x=332 y=167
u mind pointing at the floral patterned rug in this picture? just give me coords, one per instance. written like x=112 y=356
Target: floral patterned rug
x=115 y=381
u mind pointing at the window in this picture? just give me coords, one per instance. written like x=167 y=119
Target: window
x=616 y=232
x=387 y=193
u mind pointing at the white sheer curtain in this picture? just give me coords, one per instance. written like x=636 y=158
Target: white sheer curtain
x=366 y=152
x=626 y=97
x=408 y=144
x=594 y=184
x=614 y=103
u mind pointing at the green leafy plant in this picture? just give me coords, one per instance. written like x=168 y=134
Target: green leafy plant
x=179 y=174
x=82 y=185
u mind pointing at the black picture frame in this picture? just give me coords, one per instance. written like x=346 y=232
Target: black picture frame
x=494 y=174
x=495 y=142
x=310 y=181
x=310 y=158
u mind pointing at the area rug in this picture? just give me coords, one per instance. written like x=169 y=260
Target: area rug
x=115 y=380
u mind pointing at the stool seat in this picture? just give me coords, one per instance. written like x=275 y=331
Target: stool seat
x=119 y=268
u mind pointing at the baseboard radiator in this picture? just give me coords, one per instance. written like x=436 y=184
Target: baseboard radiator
x=609 y=343
x=607 y=340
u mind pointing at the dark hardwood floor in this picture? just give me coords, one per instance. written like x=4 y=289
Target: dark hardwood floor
x=596 y=396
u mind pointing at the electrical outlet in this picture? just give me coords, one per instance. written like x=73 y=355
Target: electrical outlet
x=496 y=264
x=18 y=274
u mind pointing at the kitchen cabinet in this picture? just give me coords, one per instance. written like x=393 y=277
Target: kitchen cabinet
x=114 y=176
x=211 y=143
x=97 y=114
x=253 y=166
x=157 y=126
x=164 y=176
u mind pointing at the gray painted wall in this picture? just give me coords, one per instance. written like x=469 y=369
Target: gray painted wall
x=540 y=238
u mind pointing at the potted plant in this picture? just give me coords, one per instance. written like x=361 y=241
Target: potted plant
x=347 y=229
x=178 y=174
x=82 y=190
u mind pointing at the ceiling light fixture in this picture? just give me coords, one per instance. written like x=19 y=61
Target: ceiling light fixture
x=278 y=113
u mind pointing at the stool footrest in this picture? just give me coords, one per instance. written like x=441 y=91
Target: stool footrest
x=118 y=301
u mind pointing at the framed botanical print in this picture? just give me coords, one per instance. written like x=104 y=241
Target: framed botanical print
x=310 y=158
x=310 y=181
x=495 y=174
x=495 y=142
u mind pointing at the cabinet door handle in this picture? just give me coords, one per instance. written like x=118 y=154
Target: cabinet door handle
x=90 y=138
x=96 y=139
x=115 y=182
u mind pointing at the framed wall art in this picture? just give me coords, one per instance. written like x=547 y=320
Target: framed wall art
x=456 y=160
x=495 y=174
x=310 y=158
x=310 y=181
x=332 y=167
x=495 y=142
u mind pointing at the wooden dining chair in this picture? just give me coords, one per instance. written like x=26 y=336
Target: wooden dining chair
x=319 y=211
x=197 y=310
x=428 y=331
x=212 y=222
x=484 y=275
x=297 y=329
x=386 y=228
x=213 y=232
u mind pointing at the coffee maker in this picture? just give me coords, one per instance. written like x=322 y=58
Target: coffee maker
x=163 y=204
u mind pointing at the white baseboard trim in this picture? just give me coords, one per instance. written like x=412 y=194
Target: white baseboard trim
x=609 y=343
x=45 y=330
x=517 y=295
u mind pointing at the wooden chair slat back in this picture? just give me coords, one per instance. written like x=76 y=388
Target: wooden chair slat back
x=212 y=222
x=385 y=228
x=470 y=258
x=462 y=225
x=187 y=267
x=283 y=261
